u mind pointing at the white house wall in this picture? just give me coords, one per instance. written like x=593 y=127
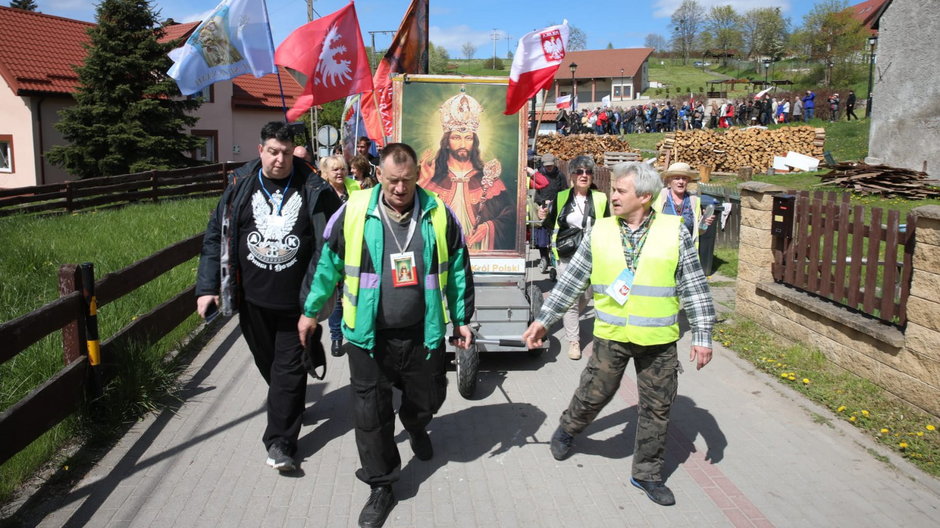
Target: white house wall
x=905 y=126
x=17 y=122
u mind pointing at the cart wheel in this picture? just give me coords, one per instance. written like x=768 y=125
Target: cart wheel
x=468 y=365
x=535 y=304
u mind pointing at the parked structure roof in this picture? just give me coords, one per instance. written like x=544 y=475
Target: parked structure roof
x=868 y=12
x=603 y=64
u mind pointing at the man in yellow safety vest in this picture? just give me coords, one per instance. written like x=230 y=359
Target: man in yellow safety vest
x=639 y=264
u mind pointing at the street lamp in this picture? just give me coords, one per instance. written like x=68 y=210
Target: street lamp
x=766 y=69
x=621 y=84
x=871 y=72
x=574 y=87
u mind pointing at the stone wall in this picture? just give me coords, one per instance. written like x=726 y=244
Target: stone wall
x=907 y=363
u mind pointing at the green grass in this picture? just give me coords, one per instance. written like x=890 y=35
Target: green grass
x=35 y=247
x=911 y=433
x=726 y=262
x=479 y=68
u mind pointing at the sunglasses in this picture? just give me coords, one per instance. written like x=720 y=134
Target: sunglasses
x=583 y=171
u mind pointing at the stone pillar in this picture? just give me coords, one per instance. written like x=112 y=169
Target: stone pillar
x=922 y=334
x=755 y=249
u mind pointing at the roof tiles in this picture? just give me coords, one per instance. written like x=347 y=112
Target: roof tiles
x=603 y=64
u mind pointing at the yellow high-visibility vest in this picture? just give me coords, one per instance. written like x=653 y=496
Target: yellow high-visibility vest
x=651 y=314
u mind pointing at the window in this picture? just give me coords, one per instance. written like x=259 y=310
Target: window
x=6 y=153
x=207 y=94
x=209 y=149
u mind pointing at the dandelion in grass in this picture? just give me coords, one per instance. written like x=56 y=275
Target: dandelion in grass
x=853 y=418
x=920 y=433
x=791 y=378
x=902 y=445
x=865 y=413
x=841 y=408
x=805 y=381
x=784 y=375
x=930 y=427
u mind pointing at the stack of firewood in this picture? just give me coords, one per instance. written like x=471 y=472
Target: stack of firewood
x=567 y=147
x=882 y=180
x=735 y=148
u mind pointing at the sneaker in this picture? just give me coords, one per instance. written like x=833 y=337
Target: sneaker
x=380 y=504
x=574 y=350
x=421 y=445
x=561 y=444
x=656 y=491
x=544 y=265
x=279 y=460
x=337 y=349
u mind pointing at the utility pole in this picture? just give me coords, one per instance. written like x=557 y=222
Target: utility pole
x=508 y=44
x=309 y=10
x=373 y=57
x=494 y=36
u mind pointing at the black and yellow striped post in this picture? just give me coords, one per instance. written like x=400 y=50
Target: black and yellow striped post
x=91 y=326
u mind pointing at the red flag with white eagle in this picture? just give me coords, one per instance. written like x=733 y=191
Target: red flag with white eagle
x=537 y=58
x=327 y=58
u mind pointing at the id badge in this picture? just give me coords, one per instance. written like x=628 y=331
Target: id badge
x=619 y=290
x=276 y=221
x=404 y=270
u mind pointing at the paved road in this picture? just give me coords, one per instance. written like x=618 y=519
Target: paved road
x=743 y=451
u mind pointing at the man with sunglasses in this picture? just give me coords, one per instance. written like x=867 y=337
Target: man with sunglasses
x=639 y=264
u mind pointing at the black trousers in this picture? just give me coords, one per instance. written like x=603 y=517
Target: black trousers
x=399 y=360
x=274 y=343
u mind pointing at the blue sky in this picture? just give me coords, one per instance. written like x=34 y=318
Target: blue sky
x=624 y=23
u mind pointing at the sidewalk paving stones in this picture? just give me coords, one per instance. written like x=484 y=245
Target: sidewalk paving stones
x=742 y=451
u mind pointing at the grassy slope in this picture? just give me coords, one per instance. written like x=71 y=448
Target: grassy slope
x=35 y=247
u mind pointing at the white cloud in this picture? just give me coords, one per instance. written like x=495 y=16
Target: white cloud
x=452 y=38
x=196 y=17
x=665 y=8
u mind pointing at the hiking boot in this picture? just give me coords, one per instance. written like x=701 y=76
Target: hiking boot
x=421 y=445
x=561 y=444
x=656 y=491
x=279 y=460
x=380 y=504
x=574 y=350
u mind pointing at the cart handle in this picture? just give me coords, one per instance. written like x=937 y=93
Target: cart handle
x=518 y=343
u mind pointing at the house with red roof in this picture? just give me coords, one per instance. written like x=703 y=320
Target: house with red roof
x=621 y=74
x=38 y=53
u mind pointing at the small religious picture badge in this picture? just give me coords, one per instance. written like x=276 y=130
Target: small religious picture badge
x=404 y=271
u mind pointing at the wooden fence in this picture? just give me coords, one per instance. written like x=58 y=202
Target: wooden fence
x=838 y=255
x=729 y=234
x=115 y=190
x=64 y=392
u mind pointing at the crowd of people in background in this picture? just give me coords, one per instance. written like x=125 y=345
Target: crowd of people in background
x=694 y=113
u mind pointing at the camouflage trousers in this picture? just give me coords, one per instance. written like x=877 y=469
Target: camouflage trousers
x=657 y=379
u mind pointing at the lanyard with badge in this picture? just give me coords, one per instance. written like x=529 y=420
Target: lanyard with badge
x=403 y=267
x=619 y=290
x=275 y=219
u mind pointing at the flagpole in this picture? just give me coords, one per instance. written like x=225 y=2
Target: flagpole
x=538 y=123
x=277 y=71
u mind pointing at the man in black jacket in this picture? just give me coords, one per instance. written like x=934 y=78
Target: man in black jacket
x=258 y=258
x=547 y=188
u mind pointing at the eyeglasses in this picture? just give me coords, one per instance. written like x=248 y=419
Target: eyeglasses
x=583 y=171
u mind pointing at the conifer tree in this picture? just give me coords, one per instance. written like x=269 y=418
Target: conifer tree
x=26 y=5
x=129 y=115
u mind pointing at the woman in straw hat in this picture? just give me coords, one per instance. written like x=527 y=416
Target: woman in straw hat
x=675 y=198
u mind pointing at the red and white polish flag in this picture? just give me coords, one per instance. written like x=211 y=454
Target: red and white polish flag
x=537 y=58
x=563 y=102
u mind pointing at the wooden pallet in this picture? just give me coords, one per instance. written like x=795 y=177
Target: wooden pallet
x=613 y=158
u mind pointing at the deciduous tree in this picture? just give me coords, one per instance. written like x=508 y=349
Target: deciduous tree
x=687 y=21
x=831 y=35
x=468 y=50
x=723 y=30
x=27 y=5
x=655 y=41
x=129 y=115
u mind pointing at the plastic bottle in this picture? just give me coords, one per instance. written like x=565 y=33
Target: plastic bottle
x=709 y=211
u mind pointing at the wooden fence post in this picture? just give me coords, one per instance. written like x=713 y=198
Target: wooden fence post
x=73 y=334
x=68 y=196
x=154 y=184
